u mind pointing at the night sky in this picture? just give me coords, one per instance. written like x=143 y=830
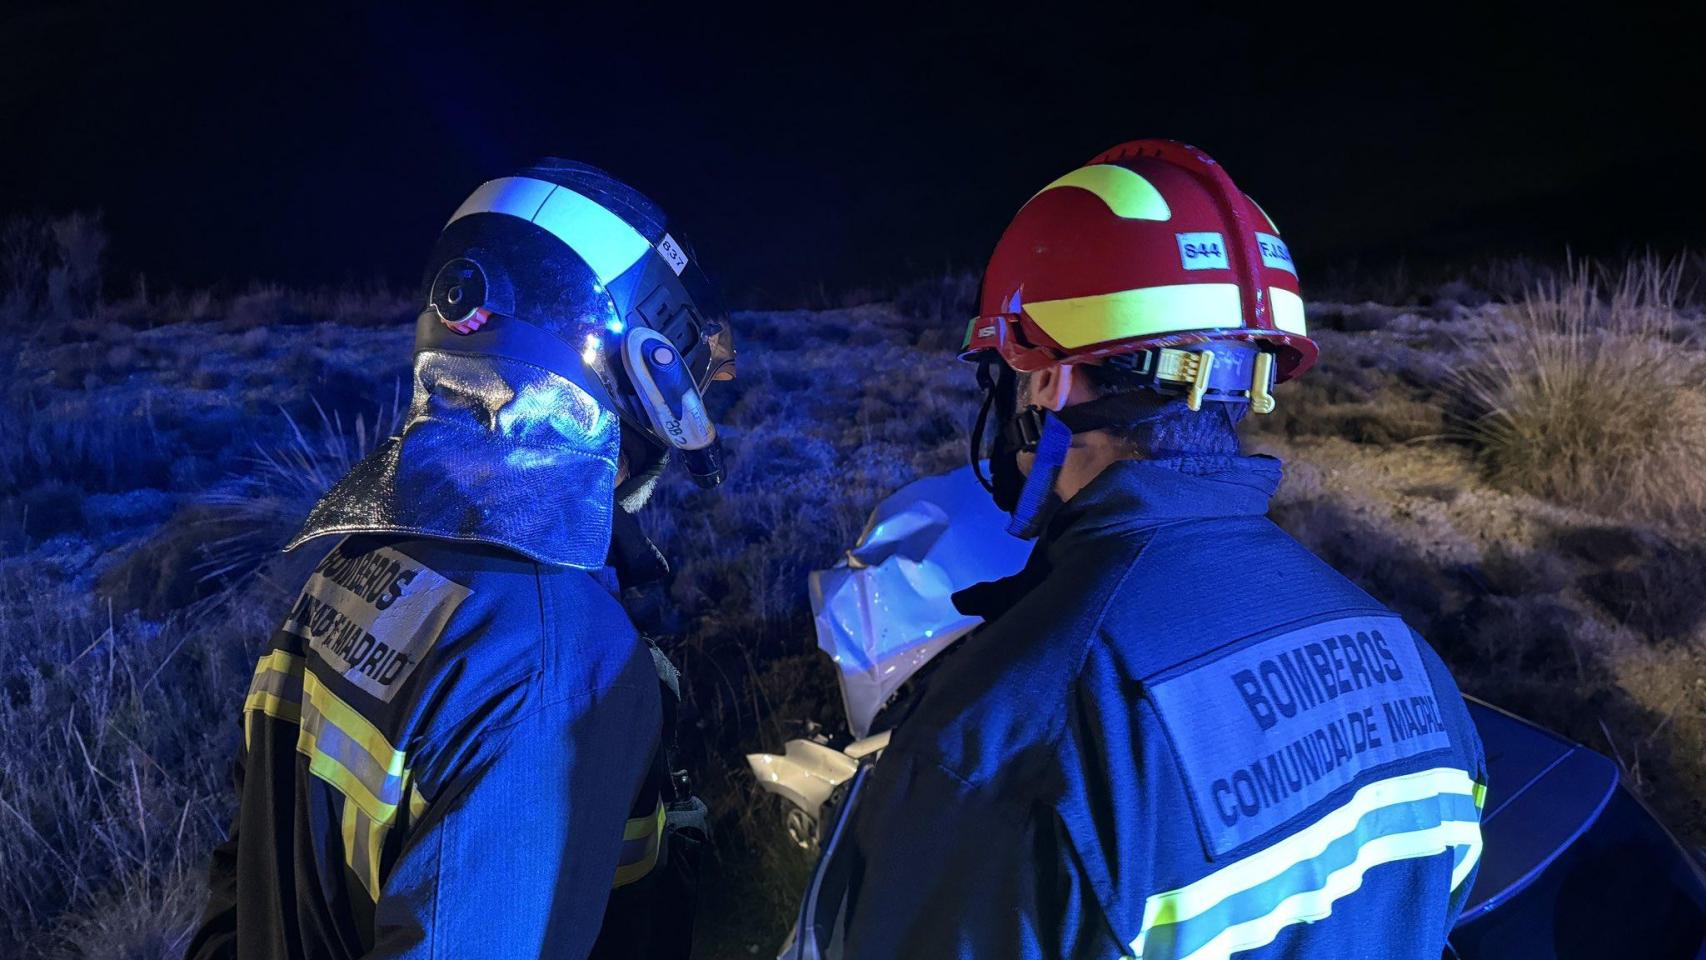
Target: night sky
x=325 y=145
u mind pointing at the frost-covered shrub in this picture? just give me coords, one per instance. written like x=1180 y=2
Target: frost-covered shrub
x=1584 y=397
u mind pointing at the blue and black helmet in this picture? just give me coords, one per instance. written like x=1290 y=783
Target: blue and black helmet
x=564 y=267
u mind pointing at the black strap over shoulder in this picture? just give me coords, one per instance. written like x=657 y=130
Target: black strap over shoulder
x=678 y=787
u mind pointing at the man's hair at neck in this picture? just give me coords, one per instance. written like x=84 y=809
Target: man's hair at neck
x=1176 y=429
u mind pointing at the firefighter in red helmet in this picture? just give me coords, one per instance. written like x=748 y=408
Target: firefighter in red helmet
x=1177 y=734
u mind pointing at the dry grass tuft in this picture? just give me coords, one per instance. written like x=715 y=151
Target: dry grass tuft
x=1585 y=398
x=114 y=739
x=283 y=483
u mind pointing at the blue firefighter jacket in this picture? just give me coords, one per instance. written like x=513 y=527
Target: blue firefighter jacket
x=444 y=752
x=1179 y=734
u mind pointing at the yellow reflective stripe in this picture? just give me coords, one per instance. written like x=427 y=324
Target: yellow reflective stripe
x=351 y=811
x=327 y=768
x=650 y=829
x=351 y=722
x=274 y=706
x=347 y=751
x=336 y=766
x=1480 y=795
x=375 y=837
x=1287 y=311
x=1127 y=193
x=274 y=691
x=278 y=661
x=352 y=838
x=362 y=840
x=344 y=749
x=633 y=872
x=1079 y=321
x=643 y=826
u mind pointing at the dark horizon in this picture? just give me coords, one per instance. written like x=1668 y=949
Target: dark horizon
x=328 y=146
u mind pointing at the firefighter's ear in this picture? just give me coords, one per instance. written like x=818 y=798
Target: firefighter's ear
x=1051 y=387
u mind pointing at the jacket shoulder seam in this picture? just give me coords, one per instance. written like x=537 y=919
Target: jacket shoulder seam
x=980 y=788
x=1057 y=726
x=563 y=699
x=1095 y=630
x=544 y=619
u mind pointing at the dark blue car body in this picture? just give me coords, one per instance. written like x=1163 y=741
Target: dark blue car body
x=1575 y=865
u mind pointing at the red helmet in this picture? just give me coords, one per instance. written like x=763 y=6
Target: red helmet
x=1149 y=245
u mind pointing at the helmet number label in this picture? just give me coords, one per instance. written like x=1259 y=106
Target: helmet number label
x=1202 y=251
x=1275 y=254
x=672 y=254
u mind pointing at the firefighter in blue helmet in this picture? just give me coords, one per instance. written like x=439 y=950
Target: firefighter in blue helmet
x=1178 y=734
x=457 y=744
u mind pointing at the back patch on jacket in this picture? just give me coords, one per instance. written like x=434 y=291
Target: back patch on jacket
x=1272 y=728
x=373 y=614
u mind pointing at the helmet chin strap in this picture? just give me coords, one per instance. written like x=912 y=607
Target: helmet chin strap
x=1049 y=434
x=1037 y=498
x=1033 y=499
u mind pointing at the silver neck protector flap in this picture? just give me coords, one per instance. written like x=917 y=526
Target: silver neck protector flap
x=493 y=451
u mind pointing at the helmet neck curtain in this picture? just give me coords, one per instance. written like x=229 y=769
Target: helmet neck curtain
x=493 y=451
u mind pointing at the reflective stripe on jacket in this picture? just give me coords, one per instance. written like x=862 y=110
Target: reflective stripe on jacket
x=446 y=753
x=1178 y=735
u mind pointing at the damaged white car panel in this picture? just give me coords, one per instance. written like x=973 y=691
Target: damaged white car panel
x=807 y=775
x=887 y=607
x=881 y=614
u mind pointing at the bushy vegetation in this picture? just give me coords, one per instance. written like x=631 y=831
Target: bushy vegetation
x=115 y=746
x=163 y=446
x=1590 y=395
x=51 y=268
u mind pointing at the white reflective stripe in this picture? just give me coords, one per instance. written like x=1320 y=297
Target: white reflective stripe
x=1196 y=898
x=1308 y=905
x=604 y=240
x=517 y=196
x=1472 y=856
x=1288 y=311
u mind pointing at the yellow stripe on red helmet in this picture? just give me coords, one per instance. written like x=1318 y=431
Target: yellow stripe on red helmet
x=1145 y=311
x=1126 y=192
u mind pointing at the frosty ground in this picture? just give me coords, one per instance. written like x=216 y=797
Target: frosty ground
x=156 y=452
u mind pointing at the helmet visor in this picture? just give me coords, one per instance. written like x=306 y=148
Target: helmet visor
x=720 y=354
x=706 y=344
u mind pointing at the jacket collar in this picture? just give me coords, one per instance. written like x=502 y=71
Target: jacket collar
x=1131 y=496
x=1137 y=494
